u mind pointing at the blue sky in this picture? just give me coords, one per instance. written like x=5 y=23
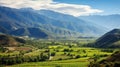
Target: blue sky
x=108 y=6
x=71 y=7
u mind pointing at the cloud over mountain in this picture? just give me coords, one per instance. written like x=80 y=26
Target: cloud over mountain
x=71 y=9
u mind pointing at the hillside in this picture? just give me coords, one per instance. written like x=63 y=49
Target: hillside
x=74 y=23
x=109 y=40
x=16 y=19
x=111 y=61
x=115 y=57
x=6 y=40
x=13 y=20
x=31 y=32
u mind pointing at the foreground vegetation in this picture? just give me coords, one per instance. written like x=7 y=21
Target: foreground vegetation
x=61 y=63
x=111 y=61
x=50 y=53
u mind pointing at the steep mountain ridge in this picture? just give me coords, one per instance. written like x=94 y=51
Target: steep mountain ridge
x=16 y=19
x=13 y=19
x=109 y=39
x=74 y=23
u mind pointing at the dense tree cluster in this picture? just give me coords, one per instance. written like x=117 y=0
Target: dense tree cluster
x=15 y=59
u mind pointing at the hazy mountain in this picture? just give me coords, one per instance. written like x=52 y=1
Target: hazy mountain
x=59 y=32
x=13 y=20
x=74 y=23
x=20 y=21
x=108 y=21
x=110 y=39
x=31 y=32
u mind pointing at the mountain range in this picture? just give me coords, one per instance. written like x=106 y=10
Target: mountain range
x=74 y=23
x=44 y=24
x=108 y=21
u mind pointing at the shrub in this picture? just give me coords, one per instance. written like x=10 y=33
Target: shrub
x=53 y=54
x=60 y=59
x=77 y=56
x=66 y=50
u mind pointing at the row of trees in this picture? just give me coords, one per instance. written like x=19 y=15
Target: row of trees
x=10 y=60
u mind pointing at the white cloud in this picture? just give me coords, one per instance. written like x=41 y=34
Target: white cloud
x=71 y=9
